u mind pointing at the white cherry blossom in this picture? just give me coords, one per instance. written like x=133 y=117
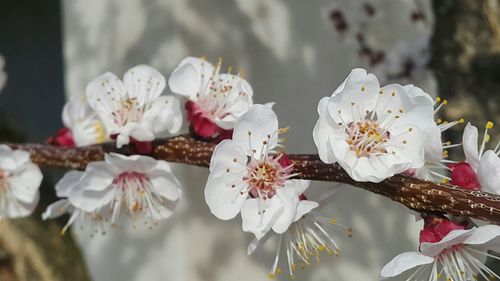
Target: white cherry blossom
x=20 y=181
x=372 y=132
x=83 y=123
x=457 y=256
x=140 y=186
x=248 y=175
x=134 y=109
x=215 y=100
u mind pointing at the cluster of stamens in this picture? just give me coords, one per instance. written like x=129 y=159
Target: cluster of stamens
x=366 y=138
x=215 y=95
x=305 y=241
x=135 y=192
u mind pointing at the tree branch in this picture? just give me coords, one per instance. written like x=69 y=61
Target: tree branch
x=415 y=194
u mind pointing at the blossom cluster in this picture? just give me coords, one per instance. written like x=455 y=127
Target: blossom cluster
x=372 y=131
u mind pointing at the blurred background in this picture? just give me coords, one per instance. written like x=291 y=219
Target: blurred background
x=293 y=53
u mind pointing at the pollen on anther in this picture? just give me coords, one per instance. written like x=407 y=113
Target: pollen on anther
x=393 y=94
x=405 y=141
x=249 y=133
x=362 y=88
x=235 y=160
x=489 y=125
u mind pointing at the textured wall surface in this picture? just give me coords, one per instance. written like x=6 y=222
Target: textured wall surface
x=290 y=55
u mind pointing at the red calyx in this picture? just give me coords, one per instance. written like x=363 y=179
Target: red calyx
x=64 y=138
x=204 y=126
x=462 y=175
x=436 y=228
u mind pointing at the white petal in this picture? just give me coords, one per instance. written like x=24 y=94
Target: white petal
x=90 y=200
x=104 y=95
x=403 y=262
x=164 y=181
x=304 y=207
x=17 y=209
x=453 y=238
x=469 y=142
x=489 y=172
x=67 y=182
x=289 y=200
x=484 y=234
x=256 y=127
x=134 y=163
x=25 y=183
x=260 y=223
x=144 y=83
x=257 y=242
x=56 y=209
x=98 y=176
x=323 y=130
x=227 y=156
x=164 y=114
x=185 y=80
x=224 y=200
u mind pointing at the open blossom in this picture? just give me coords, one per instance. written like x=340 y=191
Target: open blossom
x=305 y=240
x=248 y=175
x=215 y=100
x=480 y=167
x=20 y=180
x=140 y=186
x=82 y=126
x=448 y=251
x=134 y=110
x=372 y=132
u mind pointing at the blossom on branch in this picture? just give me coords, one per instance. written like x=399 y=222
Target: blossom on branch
x=140 y=186
x=82 y=126
x=373 y=132
x=20 y=180
x=215 y=100
x=134 y=110
x=448 y=250
x=248 y=174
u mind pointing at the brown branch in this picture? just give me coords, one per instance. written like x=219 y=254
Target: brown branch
x=415 y=194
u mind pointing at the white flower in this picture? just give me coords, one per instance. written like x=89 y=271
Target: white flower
x=20 y=180
x=454 y=257
x=3 y=75
x=485 y=164
x=134 y=109
x=81 y=120
x=372 y=132
x=247 y=175
x=304 y=241
x=141 y=186
x=216 y=100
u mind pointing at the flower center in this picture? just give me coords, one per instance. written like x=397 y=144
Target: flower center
x=264 y=176
x=134 y=190
x=366 y=138
x=130 y=111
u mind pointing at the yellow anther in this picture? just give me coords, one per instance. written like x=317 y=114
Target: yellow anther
x=445 y=102
x=271 y=275
x=461 y=121
x=487 y=138
x=438 y=99
x=333 y=221
x=439 y=121
x=489 y=125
